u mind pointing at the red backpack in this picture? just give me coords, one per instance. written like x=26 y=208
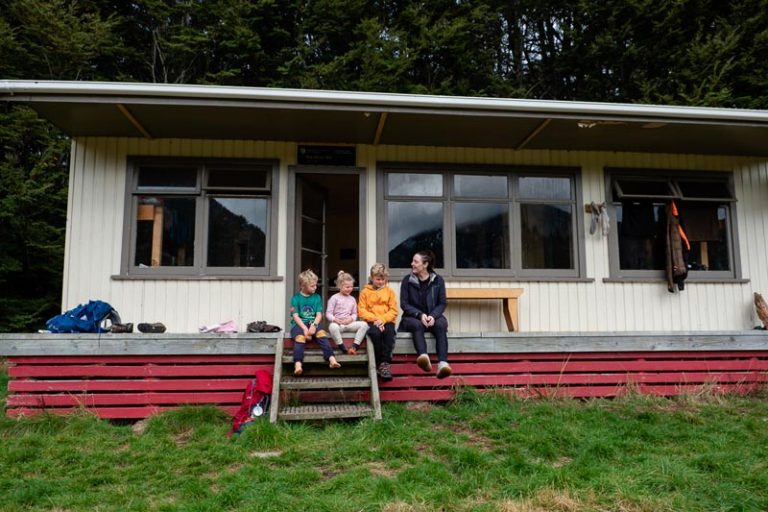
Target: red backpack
x=255 y=401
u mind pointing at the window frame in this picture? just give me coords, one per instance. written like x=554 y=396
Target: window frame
x=201 y=194
x=611 y=174
x=449 y=199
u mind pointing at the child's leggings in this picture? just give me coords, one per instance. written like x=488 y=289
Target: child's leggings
x=360 y=328
x=320 y=336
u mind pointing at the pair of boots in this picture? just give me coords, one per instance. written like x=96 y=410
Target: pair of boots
x=156 y=327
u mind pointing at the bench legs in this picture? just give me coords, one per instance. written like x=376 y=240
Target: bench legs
x=510 y=314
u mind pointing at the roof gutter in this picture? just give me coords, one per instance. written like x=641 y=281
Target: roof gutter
x=553 y=108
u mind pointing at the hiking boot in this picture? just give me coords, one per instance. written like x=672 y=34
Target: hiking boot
x=257 y=326
x=385 y=372
x=423 y=362
x=157 y=327
x=121 y=328
x=443 y=370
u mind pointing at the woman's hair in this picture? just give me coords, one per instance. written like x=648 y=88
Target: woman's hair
x=428 y=257
x=344 y=277
x=306 y=277
x=379 y=270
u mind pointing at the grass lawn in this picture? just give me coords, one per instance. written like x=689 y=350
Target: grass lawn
x=483 y=453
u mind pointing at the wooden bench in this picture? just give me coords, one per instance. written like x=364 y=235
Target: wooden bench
x=508 y=296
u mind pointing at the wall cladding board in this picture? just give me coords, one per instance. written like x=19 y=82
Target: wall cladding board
x=95 y=226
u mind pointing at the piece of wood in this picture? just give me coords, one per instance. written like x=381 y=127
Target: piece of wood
x=157 y=238
x=508 y=297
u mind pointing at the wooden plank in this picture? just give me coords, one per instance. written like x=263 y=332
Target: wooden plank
x=137 y=344
x=162 y=359
x=325 y=411
x=107 y=412
x=77 y=385
x=605 y=366
x=259 y=343
x=214 y=370
x=324 y=382
x=571 y=379
x=90 y=399
x=483 y=293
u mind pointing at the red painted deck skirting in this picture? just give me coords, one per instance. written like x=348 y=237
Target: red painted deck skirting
x=137 y=386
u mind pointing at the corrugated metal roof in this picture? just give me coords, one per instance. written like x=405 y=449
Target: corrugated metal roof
x=218 y=112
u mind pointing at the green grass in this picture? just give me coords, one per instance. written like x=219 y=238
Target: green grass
x=483 y=453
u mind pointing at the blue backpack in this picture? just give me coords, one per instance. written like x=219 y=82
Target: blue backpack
x=84 y=318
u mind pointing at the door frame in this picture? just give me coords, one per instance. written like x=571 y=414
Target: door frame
x=291 y=270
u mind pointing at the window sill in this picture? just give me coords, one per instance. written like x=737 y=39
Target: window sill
x=661 y=280
x=397 y=276
x=177 y=277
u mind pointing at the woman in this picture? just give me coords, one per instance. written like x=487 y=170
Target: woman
x=422 y=297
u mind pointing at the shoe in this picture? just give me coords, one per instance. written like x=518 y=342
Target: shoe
x=256 y=326
x=157 y=327
x=443 y=370
x=353 y=349
x=423 y=362
x=121 y=328
x=385 y=372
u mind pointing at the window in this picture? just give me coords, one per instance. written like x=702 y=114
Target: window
x=640 y=200
x=200 y=217
x=482 y=221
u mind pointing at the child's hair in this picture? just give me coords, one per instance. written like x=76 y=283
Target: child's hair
x=379 y=270
x=306 y=277
x=344 y=277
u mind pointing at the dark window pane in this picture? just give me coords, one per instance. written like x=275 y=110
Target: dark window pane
x=479 y=186
x=544 y=188
x=482 y=231
x=652 y=188
x=237 y=232
x=705 y=225
x=402 y=184
x=414 y=227
x=165 y=231
x=547 y=236
x=641 y=226
x=185 y=177
x=705 y=189
x=237 y=178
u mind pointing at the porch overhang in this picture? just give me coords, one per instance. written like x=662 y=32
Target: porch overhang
x=159 y=111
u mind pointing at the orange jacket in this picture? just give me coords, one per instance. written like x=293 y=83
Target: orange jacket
x=378 y=304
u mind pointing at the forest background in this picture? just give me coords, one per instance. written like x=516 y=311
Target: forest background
x=673 y=52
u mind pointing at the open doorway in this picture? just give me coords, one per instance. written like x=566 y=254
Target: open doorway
x=327 y=227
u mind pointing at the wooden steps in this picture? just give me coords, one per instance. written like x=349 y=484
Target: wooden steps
x=322 y=393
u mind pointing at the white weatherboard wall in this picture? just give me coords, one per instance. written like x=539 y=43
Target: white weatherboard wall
x=95 y=224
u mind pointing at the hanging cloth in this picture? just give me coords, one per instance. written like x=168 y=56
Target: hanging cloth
x=678 y=247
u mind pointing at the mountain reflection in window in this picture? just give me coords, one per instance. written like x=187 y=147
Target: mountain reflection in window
x=481 y=235
x=237 y=232
x=414 y=227
x=546 y=236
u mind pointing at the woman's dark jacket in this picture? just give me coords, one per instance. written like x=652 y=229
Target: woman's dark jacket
x=411 y=302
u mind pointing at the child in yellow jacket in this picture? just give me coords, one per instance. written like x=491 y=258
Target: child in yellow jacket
x=378 y=306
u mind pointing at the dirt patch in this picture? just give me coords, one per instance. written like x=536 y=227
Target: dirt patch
x=381 y=469
x=474 y=438
x=265 y=455
x=562 y=461
x=139 y=427
x=423 y=407
x=182 y=438
x=328 y=473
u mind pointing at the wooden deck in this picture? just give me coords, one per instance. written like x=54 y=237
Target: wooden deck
x=136 y=375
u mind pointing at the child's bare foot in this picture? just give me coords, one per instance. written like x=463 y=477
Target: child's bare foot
x=297 y=368
x=333 y=363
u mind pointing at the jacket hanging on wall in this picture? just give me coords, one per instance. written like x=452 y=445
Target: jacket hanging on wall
x=678 y=247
